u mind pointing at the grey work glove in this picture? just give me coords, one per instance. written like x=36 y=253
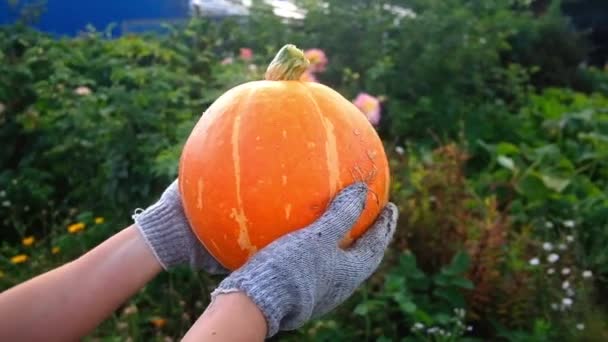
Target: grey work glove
x=167 y=232
x=305 y=274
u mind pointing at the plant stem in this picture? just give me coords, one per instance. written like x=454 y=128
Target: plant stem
x=288 y=65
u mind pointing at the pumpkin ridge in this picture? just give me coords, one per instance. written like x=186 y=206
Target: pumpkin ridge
x=238 y=214
x=199 y=197
x=331 y=148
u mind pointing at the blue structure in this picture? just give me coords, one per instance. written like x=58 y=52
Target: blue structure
x=68 y=17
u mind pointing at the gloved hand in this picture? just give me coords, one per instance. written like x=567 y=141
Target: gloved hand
x=167 y=232
x=305 y=274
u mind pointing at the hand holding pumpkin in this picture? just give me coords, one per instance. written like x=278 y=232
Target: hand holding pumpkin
x=305 y=274
x=300 y=276
x=168 y=234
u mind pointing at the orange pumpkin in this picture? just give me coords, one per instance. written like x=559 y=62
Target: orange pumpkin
x=267 y=157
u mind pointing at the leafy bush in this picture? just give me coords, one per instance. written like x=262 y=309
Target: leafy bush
x=84 y=118
x=556 y=169
x=553 y=49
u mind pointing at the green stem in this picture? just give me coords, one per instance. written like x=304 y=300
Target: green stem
x=288 y=65
x=368 y=323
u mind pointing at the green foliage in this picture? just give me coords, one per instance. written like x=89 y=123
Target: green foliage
x=411 y=300
x=553 y=49
x=556 y=168
x=90 y=113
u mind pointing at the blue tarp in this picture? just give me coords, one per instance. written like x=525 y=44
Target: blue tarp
x=68 y=17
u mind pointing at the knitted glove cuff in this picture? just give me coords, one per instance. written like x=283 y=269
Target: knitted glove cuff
x=269 y=296
x=164 y=228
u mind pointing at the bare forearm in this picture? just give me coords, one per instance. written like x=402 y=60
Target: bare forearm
x=70 y=301
x=231 y=317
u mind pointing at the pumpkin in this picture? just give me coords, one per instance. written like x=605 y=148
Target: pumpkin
x=267 y=157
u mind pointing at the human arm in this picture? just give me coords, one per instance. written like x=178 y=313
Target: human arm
x=70 y=301
x=226 y=312
x=262 y=297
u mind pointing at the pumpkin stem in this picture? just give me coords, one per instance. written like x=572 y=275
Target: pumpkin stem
x=288 y=65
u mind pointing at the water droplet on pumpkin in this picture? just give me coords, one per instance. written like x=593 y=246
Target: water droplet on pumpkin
x=357 y=132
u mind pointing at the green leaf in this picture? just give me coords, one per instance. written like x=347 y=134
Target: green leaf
x=463 y=283
x=394 y=283
x=368 y=306
x=424 y=317
x=460 y=263
x=452 y=296
x=442 y=318
x=441 y=279
x=555 y=183
x=549 y=150
x=507 y=149
x=408 y=307
x=407 y=261
x=361 y=309
x=506 y=162
x=533 y=187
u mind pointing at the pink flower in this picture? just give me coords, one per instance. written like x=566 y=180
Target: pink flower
x=246 y=54
x=317 y=59
x=370 y=106
x=227 y=60
x=308 y=76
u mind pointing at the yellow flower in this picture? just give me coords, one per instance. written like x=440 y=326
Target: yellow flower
x=55 y=250
x=19 y=259
x=99 y=220
x=1 y=274
x=76 y=227
x=158 y=322
x=28 y=241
